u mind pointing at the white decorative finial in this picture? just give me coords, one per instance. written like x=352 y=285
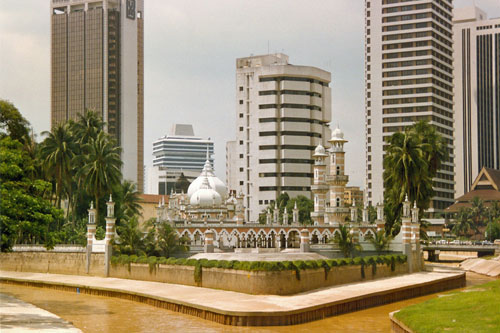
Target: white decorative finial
x=415 y=204
x=406 y=197
x=92 y=205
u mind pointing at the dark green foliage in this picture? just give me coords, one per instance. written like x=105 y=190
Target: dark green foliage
x=411 y=161
x=198 y=273
x=25 y=216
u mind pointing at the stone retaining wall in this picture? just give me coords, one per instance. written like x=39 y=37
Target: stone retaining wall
x=255 y=282
x=52 y=262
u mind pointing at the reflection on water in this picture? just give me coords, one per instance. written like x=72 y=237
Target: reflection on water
x=102 y=314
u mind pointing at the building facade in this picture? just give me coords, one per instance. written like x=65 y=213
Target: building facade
x=477 y=94
x=97 y=63
x=282 y=114
x=408 y=78
x=178 y=152
x=353 y=194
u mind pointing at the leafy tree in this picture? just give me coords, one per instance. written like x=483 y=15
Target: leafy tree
x=57 y=152
x=345 y=241
x=381 y=241
x=493 y=230
x=25 y=216
x=305 y=207
x=101 y=167
x=11 y=120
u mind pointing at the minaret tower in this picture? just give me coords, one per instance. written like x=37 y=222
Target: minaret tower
x=337 y=179
x=319 y=187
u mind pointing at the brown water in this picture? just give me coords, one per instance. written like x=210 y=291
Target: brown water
x=103 y=314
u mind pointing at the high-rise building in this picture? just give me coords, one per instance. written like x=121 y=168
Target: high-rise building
x=477 y=94
x=97 y=63
x=178 y=152
x=182 y=150
x=408 y=78
x=282 y=114
x=353 y=194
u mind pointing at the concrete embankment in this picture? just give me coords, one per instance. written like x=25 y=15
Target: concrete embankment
x=19 y=316
x=233 y=308
x=483 y=266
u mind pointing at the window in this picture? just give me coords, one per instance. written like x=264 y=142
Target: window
x=260 y=202
x=241 y=88
x=241 y=101
x=241 y=182
x=241 y=128
x=241 y=115
x=241 y=169
x=241 y=142
x=241 y=155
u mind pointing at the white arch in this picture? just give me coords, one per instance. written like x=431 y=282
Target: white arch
x=293 y=229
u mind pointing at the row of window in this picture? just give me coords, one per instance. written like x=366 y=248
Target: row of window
x=285 y=160
x=288 y=92
x=294 y=133
x=292 y=78
x=290 y=106
x=284 y=188
x=291 y=119
x=282 y=147
x=286 y=174
x=425 y=108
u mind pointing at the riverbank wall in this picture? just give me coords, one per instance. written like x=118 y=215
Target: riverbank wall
x=285 y=282
x=250 y=310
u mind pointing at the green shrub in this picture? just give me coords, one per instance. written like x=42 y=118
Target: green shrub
x=332 y=262
x=198 y=272
x=300 y=264
x=191 y=262
x=358 y=261
x=133 y=258
x=313 y=264
x=162 y=260
x=142 y=260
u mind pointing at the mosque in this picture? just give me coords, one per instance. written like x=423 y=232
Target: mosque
x=207 y=213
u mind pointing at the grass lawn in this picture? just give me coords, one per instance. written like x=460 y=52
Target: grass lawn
x=476 y=309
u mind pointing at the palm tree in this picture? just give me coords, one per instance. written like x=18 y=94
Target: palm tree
x=87 y=127
x=463 y=222
x=405 y=166
x=345 y=241
x=477 y=212
x=168 y=241
x=131 y=237
x=381 y=241
x=130 y=199
x=57 y=152
x=101 y=167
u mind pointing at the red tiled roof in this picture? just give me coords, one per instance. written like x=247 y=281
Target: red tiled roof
x=152 y=198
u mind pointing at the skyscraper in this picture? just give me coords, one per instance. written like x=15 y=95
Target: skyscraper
x=477 y=94
x=282 y=113
x=178 y=152
x=97 y=63
x=408 y=78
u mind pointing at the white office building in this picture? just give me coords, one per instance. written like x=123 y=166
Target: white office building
x=477 y=94
x=408 y=78
x=282 y=114
x=178 y=152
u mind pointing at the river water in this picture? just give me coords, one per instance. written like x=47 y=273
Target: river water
x=103 y=314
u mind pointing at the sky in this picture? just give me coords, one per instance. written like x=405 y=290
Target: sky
x=190 y=51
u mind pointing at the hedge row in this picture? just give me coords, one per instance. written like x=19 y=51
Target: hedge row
x=268 y=266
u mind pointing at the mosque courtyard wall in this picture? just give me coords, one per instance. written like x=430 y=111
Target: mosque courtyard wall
x=251 y=282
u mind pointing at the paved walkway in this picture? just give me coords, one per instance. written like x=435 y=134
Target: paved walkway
x=234 y=303
x=19 y=316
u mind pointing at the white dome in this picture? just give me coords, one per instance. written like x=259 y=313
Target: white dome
x=319 y=151
x=337 y=134
x=205 y=196
x=214 y=182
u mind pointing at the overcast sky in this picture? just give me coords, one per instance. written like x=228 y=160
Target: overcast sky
x=190 y=52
